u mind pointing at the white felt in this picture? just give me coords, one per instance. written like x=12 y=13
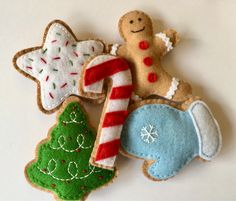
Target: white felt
x=108 y=162
x=207 y=128
x=117 y=105
x=57 y=66
x=122 y=78
x=95 y=87
x=110 y=133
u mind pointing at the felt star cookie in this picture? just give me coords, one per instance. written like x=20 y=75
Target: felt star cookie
x=56 y=65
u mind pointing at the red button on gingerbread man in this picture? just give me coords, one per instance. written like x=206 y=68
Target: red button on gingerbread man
x=143 y=50
x=148 y=61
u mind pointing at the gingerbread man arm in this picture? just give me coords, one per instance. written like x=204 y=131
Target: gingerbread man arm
x=166 y=40
x=119 y=50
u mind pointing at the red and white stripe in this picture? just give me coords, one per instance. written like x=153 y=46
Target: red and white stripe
x=108 y=139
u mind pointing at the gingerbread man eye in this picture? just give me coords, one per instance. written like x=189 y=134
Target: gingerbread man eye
x=139 y=19
x=131 y=21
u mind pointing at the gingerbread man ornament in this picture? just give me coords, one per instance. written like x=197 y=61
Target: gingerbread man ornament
x=144 y=51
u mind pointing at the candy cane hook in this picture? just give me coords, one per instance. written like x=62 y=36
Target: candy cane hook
x=99 y=69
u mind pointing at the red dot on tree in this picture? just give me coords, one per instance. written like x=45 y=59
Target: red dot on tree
x=100 y=177
x=82 y=187
x=143 y=45
x=74 y=107
x=63 y=161
x=63 y=123
x=152 y=77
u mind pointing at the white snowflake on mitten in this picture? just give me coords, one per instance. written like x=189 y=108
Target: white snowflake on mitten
x=57 y=64
x=149 y=134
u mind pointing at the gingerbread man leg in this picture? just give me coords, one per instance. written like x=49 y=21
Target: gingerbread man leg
x=178 y=91
x=183 y=92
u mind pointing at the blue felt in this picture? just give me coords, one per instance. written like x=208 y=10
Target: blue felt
x=176 y=143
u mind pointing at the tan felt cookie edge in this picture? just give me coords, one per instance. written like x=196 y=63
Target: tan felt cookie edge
x=64 y=104
x=27 y=50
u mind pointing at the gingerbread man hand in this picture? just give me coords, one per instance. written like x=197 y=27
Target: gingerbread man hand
x=144 y=50
x=166 y=40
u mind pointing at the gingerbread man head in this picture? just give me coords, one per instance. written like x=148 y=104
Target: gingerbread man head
x=135 y=24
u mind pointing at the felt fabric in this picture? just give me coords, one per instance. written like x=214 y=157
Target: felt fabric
x=114 y=48
x=62 y=164
x=173 y=87
x=169 y=137
x=114 y=118
x=207 y=129
x=121 y=92
x=108 y=149
x=115 y=69
x=103 y=70
x=144 y=50
x=57 y=64
x=166 y=41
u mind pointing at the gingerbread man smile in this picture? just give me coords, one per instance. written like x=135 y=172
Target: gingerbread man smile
x=138 y=30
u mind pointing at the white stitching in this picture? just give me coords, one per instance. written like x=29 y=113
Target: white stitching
x=149 y=134
x=80 y=144
x=73 y=176
x=73 y=117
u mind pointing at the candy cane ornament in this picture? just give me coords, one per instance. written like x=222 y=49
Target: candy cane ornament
x=98 y=70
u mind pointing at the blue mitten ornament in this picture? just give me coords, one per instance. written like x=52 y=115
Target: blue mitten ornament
x=168 y=138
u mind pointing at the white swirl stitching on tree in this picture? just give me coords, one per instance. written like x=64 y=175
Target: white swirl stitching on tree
x=73 y=176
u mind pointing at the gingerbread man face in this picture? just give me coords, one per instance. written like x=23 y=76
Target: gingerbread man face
x=135 y=24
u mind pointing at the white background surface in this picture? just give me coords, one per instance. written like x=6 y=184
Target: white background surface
x=206 y=57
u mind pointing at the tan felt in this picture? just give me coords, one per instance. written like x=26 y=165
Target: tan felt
x=144 y=52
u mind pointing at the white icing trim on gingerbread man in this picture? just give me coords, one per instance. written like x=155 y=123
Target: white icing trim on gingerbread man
x=166 y=40
x=114 y=49
x=173 y=87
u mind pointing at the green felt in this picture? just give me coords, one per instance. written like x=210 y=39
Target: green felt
x=62 y=164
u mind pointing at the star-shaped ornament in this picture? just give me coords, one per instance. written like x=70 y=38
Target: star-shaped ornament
x=56 y=65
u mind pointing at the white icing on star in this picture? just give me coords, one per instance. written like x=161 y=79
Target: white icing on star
x=149 y=134
x=57 y=65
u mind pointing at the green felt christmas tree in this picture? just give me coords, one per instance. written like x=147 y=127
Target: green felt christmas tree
x=62 y=162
